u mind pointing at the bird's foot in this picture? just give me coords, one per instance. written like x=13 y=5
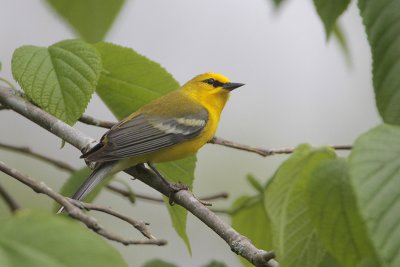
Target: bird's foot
x=173 y=189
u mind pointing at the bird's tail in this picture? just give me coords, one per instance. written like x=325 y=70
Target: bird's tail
x=98 y=175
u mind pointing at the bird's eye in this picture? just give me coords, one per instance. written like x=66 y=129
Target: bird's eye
x=213 y=82
x=210 y=81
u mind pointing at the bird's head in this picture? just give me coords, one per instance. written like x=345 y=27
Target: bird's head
x=210 y=89
x=213 y=83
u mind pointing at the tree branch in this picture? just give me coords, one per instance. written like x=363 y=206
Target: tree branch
x=238 y=243
x=9 y=200
x=76 y=213
x=11 y=98
x=28 y=151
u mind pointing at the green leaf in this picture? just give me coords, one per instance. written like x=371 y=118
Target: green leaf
x=61 y=78
x=336 y=217
x=342 y=41
x=179 y=171
x=158 y=263
x=252 y=221
x=286 y=201
x=375 y=175
x=91 y=19
x=381 y=23
x=215 y=264
x=255 y=183
x=278 y=3
x=178 y=217
x=329 y=261
x=130 y=80
x=329 y=11
x=38 y=239
x=75 y=181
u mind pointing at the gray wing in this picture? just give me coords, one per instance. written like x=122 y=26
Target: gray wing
x=144 y=134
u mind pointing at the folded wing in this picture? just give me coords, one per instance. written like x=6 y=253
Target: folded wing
x=146 y=133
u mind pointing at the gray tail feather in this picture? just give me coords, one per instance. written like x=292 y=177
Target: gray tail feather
x=98 y=174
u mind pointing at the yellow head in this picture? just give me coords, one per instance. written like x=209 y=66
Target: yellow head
x=210 y=89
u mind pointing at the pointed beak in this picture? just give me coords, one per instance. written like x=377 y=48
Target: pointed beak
x=231 y=86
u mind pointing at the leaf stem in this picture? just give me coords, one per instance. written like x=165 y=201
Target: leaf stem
x=9 y=200
x=8 y=83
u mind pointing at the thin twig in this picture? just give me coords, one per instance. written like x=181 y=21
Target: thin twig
x=9 y=200
x=96 y=122
x=263 y=151
x=222 y=195
x=141 y=226
x=90 y=222
x=126 y=193
x=238 y=243
x=28 y=151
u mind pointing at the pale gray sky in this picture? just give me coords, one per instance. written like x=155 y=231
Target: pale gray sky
x=299 y=89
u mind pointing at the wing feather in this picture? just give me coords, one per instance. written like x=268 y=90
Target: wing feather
x=145 y=133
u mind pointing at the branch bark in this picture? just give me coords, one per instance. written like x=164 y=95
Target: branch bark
x=238 y=243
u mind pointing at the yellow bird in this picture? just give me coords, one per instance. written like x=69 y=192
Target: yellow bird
x=171 y=127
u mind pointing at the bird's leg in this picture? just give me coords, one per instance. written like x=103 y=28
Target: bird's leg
x=173 y=188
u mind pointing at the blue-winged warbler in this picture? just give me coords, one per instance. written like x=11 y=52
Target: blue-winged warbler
x=171 y=127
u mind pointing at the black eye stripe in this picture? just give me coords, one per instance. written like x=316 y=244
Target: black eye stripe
x=214 y=82
x=217 y=84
